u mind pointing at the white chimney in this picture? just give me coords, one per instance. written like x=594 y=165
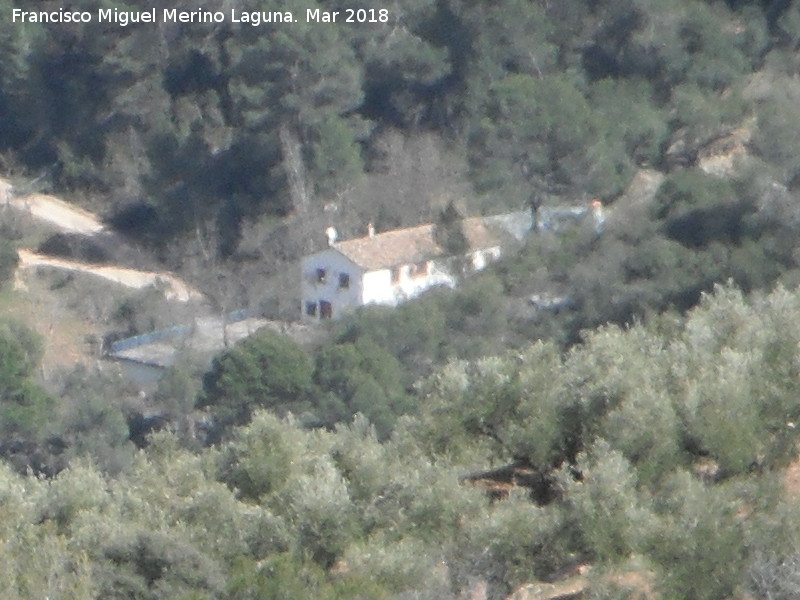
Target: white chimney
x=598 y=214
x=371 y=229
x=332 y=235
x=597 y=209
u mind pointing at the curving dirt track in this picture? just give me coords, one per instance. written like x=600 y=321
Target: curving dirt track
x=174 y=288
x=70 y=219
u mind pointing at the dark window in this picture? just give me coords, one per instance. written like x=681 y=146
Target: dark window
x=344 y=280
x=419 y=269
x=321 y=275
x=311 y=309
x=325 y=309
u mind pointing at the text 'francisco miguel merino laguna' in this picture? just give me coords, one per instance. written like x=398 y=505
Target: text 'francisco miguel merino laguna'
x=172 y=15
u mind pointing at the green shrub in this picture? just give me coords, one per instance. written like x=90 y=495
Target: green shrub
x=266 y=370
x=8 y=262
x=699 y=543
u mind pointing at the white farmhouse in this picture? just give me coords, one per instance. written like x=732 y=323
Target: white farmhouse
x=387 y=268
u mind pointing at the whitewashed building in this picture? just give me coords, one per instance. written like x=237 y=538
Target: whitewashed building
x=387 y=268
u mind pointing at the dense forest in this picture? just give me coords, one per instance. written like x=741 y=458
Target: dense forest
x=226 y=149
x=636 y=438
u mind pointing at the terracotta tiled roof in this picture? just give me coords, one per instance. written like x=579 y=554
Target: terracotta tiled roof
x=410 y=245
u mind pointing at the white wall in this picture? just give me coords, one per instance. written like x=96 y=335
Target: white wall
x=341 y=299
x=481 y=258
x=373 y=287
x=438 y=274
x=380 y=289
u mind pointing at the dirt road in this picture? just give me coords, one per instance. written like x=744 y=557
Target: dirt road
x=173 y=287
x=57 y=213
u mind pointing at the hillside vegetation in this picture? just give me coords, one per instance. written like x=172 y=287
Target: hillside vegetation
x=656 y=449
x=613 y=411
x=231 y=147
